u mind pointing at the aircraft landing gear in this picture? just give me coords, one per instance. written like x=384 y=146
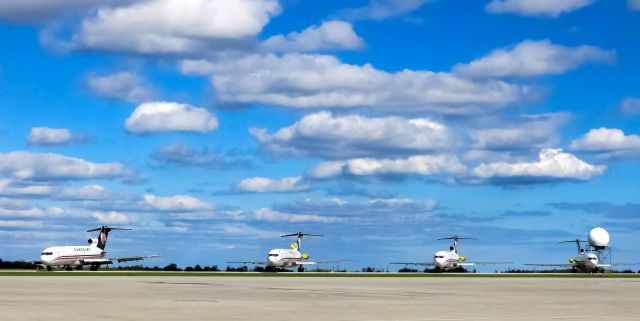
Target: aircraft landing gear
x=79 y=268
x=68 y=268
x=49 y=268
x=300 y=268
x=93 y=268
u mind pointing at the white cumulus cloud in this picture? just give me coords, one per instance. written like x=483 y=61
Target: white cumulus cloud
x=322 y=81
x=419 y=164
x=552 y=165
x=111 y=217
x=534 y=58
x=330 y=35
x=176 y=203
x=324 y=135
x=124 y=85
x=37 y=11
x=30 y=211
x=527 y=131
x=264 y=185
x=174 y=26
x=266 y=214
x=154 y=117
x=549 y=8
x=608 y=142
x=50 y=166
x=383 y=9
x=45 y=136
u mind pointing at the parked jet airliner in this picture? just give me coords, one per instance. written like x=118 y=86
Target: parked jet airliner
x=288 y=258
x=93 y=254
x=448 y=260
x=585 y=261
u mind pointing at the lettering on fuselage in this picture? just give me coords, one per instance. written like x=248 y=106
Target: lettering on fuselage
x=81 y=249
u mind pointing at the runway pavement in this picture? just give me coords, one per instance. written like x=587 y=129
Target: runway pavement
x=89 y=298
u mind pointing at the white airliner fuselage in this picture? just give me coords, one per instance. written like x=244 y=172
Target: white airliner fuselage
x=72 y=255
x=586 y=261
x=288 y=258
x=447 y=260
x=284 y=258
x=93 y=254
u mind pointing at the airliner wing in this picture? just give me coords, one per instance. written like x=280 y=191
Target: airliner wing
x=249 y=262
x=321 y=262
x=132 y=258
x=414 y=263
x=96 y=261
x=115 y=259
x=618 y=264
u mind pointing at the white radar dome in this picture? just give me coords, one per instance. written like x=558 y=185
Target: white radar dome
x=599 y=237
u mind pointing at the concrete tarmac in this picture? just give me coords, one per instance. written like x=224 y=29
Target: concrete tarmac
x=89 y=298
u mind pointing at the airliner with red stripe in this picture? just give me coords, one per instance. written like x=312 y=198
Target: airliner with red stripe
x=93 y=255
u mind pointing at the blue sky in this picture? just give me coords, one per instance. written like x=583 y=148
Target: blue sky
x=381 y=124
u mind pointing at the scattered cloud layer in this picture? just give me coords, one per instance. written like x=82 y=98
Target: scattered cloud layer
x=182 y=154
x=49 y=137
x=49 y=166
x=630 y=106
x=524 y=132
x=607 y=209
x=548 y=8
x=174 y=26
x=330 y=35
x=265 y=185
x=39 y=11
x=324 y=135
x=178 y=203
x=322 y=81
x=420 y=164
x=553 y=165
x=382 y=9
x=532 y=58
x=30 y=212
x=266 y=214
x=111 y=217
x=155 y=117
x=123 y=85
x=608 y=142
x=372 y=209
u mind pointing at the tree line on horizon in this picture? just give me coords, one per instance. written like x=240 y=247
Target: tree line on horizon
x=173 y=267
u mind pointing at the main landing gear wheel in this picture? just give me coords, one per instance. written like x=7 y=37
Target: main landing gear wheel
x=79 y=268
x=49 y=268
x=68 y=268
x=300 y=268
x=93 y=268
